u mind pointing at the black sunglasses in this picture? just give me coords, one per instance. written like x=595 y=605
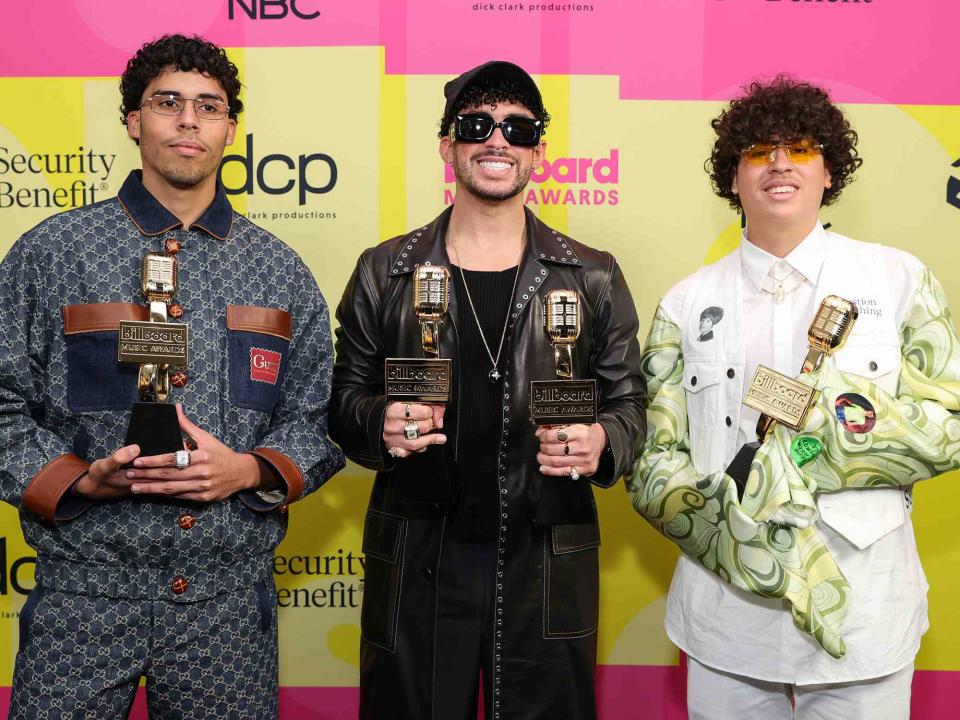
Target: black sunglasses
x=520 y=131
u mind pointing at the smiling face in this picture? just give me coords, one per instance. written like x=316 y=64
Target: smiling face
x=180 y=151
x=492 y=170
x=782 y=193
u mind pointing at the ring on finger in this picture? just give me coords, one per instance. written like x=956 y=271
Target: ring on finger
x=562 y=435
x=181 y=459
x=574 y=475
x=411 y=430
x=406 y=411
x=394 y=451
x=566 y=449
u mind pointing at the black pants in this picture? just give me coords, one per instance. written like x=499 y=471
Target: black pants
x=464 y=629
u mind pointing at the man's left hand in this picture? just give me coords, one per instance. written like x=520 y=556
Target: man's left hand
x=582 y=449
x=215 y=471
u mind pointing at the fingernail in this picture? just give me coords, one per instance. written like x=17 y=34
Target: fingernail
x=543 y=469
x=134 y=488
x=131 y=474
x=138 y=463
x=442 y=440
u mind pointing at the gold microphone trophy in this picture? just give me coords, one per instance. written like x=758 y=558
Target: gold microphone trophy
x=426 y=379
x=563 y=401
x=783 y=400
x=156 y=345
x=424 y=476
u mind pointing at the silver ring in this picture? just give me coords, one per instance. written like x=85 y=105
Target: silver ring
x=406 y=411
x=394 y=452
x=181 y=459
x=574 y=475
x=411 y=430
x=562 y=435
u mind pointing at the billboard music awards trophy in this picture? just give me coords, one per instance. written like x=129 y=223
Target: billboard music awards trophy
x=424 y=476
x=563 y=401
x=783 y=400
x=157 y=345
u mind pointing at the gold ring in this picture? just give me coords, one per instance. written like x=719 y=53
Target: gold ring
x=574 y=475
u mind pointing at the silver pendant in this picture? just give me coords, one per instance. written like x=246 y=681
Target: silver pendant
x=494 y=375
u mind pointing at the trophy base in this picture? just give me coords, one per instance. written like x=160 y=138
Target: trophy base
x=739 y=467
x=425 y=477
x=155 y=428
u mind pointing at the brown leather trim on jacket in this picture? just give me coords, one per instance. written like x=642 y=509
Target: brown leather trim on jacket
x=251 y=318
x=47 y=487
x=97 y=317
x=286 y=469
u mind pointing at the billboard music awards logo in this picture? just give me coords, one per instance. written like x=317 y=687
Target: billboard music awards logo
x=582 y=180
x=279 y=174
x=340 y=585
x=24 y=178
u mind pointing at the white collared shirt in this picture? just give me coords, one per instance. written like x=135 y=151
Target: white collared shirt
x=736 y=632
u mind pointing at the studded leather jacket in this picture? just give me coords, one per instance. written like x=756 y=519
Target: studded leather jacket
x=538 y=513
x=258 y=379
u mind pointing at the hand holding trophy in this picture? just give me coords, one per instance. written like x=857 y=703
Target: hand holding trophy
x=783 y=400
x=156 y=345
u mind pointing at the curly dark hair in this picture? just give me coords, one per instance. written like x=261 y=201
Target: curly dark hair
x=184 y=54
x=491 y=91
x=782 y=109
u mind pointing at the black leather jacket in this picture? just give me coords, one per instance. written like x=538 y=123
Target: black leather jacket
x=377 y=321
x=539 y=513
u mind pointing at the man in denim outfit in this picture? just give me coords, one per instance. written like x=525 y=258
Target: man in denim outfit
x=159 y=566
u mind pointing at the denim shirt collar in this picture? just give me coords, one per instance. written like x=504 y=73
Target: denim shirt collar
x=152 y=218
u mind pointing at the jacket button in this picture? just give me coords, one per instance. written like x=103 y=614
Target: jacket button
x=186 y=521
x=172 y=245
x=179 y=585
x=873 y=365
x=729 y=421
x=693 y=380
x=178 y=378
x=730 y=373
x=175 y=311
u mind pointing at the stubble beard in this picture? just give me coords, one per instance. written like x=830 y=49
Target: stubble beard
x=463 y=170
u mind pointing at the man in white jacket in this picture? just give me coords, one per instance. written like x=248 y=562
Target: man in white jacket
x=802 y=595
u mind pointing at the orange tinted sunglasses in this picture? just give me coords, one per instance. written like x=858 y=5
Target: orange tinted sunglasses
x=798 y=151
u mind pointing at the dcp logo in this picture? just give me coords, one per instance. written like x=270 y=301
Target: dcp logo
x=302 y=179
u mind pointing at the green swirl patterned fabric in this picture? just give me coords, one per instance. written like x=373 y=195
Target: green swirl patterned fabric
x=767 y=543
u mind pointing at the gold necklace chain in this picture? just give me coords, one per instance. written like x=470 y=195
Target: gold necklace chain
x=494 y=373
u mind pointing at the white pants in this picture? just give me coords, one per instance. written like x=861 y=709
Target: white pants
x=717 y=695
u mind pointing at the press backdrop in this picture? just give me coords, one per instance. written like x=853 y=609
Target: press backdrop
x=337 y=150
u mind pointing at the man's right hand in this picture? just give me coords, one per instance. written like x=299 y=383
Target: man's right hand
x=427 y=417
x=105 y=480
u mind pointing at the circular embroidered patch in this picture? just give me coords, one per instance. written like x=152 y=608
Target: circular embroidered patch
x=804 y=449
x=855 y=413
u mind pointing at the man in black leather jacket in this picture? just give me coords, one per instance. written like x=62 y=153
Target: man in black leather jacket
x=485 y=562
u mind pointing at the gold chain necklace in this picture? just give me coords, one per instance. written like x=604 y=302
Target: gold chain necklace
x=494 y=373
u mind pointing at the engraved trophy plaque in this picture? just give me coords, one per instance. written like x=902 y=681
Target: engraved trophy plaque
x=425 y=476
x=156 y=345
x=783 y=400
x=426 y=379
x=564 y=401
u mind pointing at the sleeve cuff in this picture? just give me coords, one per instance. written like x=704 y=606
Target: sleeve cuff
x=606 y=474
x=45 y=491
x=285 y=469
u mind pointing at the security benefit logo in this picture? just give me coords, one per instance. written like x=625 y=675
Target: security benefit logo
x=578 y=181
x=293 y=178
x=323 y=581
x=54 y=179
